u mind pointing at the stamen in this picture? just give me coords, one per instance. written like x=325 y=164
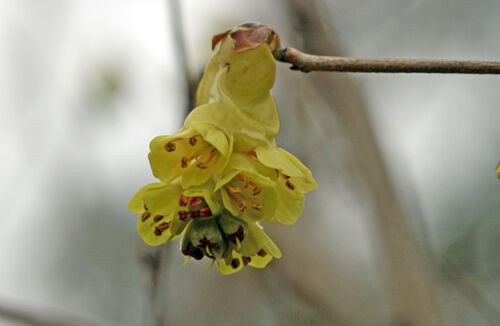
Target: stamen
x=256 y=205
x=246 y=260
x=290 y=185
x=183 y=201
x=182 y=215
x=196 y=253
x=161 y=228
x=239 y=234
x=192 y=140
x=243 y=179
x=194 y=214
x=256 y=191
x=204 y=242
x=170 y=146
x=242 y=205
x=235 y=263
x=233 y=190
x=157 y=218
x=184 y=162
x=262 y=253
x=205 y=212
x=204 y=165
x=252 y=153
x=145 y=216
x=194 y=202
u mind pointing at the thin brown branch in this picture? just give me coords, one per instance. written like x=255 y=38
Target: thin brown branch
x=307 y=62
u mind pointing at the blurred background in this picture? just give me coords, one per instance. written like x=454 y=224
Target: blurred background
x=404 y=228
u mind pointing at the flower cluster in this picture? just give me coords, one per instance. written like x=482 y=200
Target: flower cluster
x=222 y=172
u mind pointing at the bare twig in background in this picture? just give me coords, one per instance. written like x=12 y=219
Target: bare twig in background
x=409 y=282
x=307 y=62
x=190 y=83
x=25 y=315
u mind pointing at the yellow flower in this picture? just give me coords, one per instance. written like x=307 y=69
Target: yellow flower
x=230 y=242
x=245 y=192
x=166 y=210
x=293 y=180
x=270 y=167
x=255 y=250
x=194 y=154
x=222 y=172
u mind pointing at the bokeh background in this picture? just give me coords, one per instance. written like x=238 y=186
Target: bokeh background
x=403 y=230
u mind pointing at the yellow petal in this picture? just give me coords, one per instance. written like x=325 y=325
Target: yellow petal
x=136 y=204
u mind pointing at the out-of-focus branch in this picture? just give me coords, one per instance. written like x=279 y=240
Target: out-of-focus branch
x=409 y=280
x=35 y=316
x=190 y=83
x=307 y=62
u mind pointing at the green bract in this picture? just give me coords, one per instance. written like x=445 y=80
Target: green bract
x=221 y=174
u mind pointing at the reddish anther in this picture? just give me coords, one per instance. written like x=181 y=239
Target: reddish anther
x=194 y=214
x=183 y=200
x=182 y=215
x=205 y=212
x=195 y=202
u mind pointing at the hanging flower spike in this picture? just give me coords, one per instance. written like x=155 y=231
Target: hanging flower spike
x=195 y=153
x=166 y=210
x=256 y=250
x=246 y=193
x=222 y=173
x=241 y=74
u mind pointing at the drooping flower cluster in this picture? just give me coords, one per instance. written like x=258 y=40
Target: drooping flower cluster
x=222 y=172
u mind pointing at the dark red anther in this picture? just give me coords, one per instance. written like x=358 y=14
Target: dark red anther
x=194 y=214
x=262 y=253
x=205 y=212
x=183 y=201
x=195 y=202
x=204 y=242
x=239 y=234
x=182 y=215
x=246 y=260
x=196 y=253
x=235 y=263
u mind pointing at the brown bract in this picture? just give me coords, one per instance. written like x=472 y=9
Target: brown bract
x=250 y=35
